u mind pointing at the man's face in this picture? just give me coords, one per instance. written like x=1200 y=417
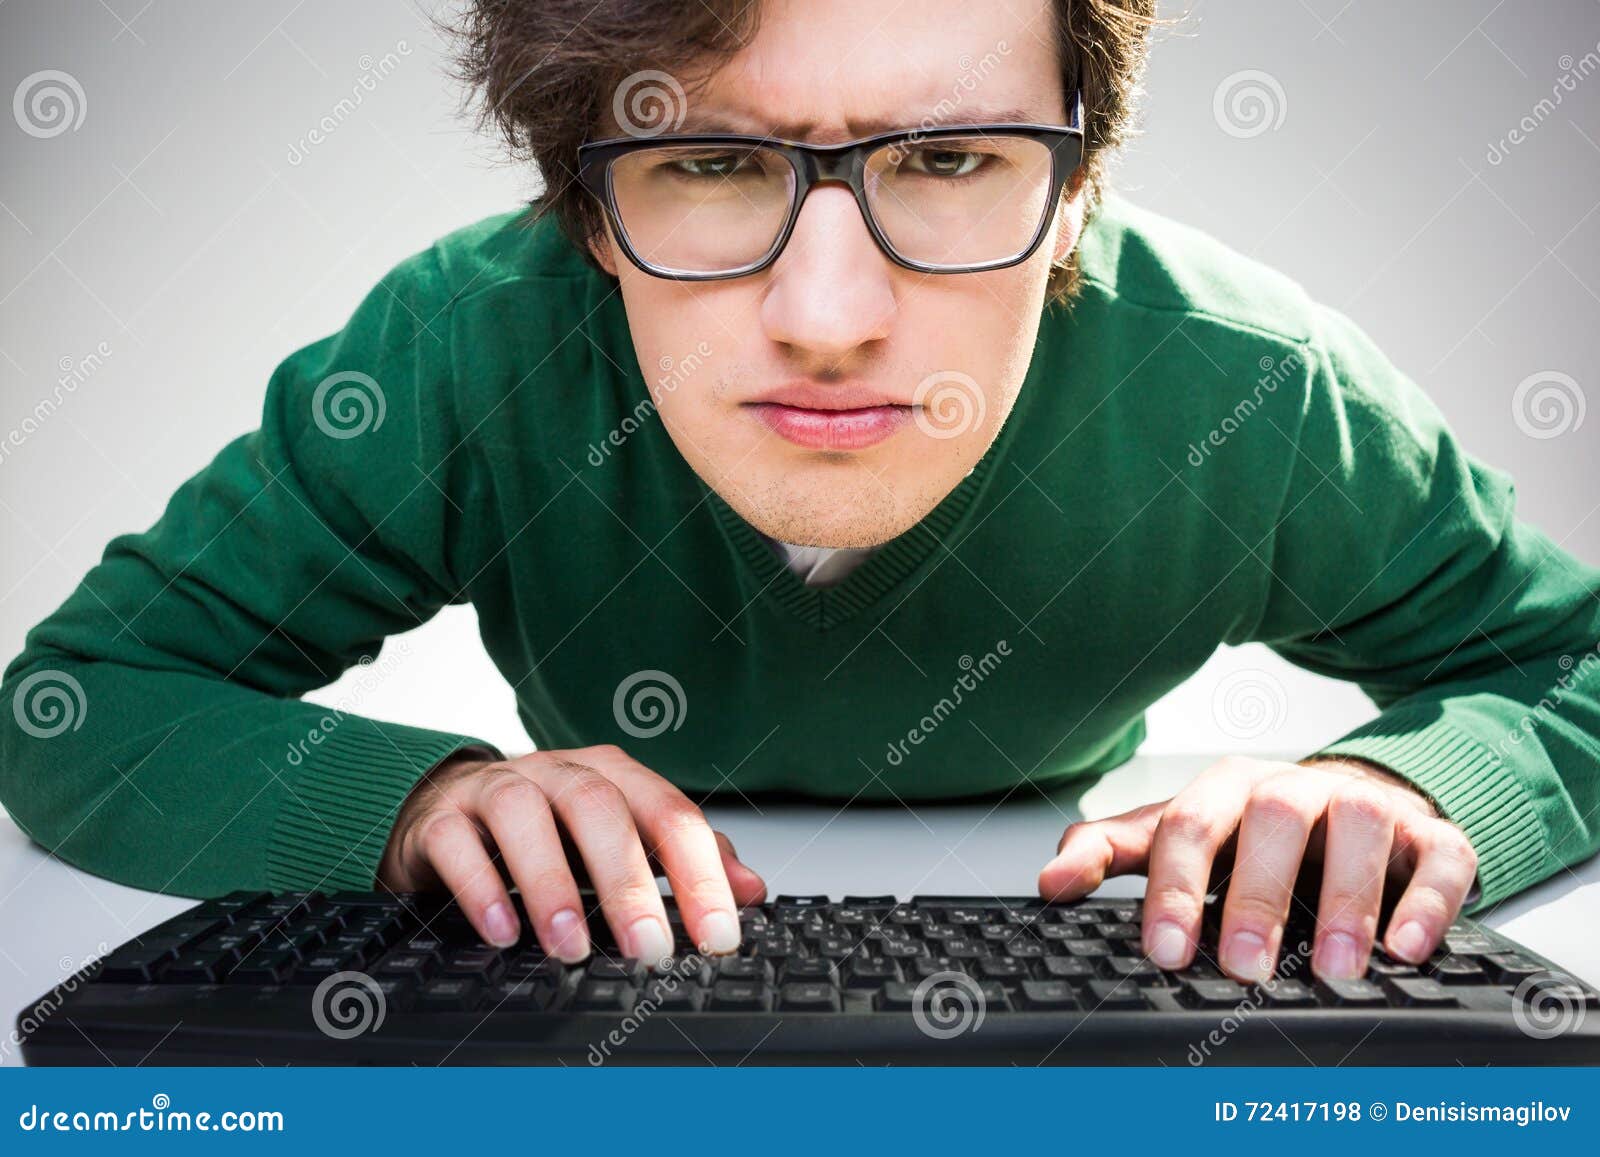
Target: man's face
x=844 y=396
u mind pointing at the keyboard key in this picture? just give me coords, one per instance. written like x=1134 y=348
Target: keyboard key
x=1458 y=970
x=603 y=996
x=1068 y=968
x=809 y=996
x=1420 y=992
x=450 y=994
x=1213 y=993
x=521 y=996
x=744 y=968
x=1048 y=994
x=1115 y=995
x=1511 y=967
x=1357 y=993
x=871 y=972
x=810 y=969
x=740 y=996
x=137 y=963
x=1290 y=993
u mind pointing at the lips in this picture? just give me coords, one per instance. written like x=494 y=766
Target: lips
x=843 y=416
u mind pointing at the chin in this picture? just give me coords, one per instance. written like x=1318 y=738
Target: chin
x=860 y=512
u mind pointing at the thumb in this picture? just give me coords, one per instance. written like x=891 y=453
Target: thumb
x=748 y=887
x=1092 y=850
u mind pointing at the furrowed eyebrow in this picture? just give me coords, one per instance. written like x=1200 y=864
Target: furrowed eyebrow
x=717 y=121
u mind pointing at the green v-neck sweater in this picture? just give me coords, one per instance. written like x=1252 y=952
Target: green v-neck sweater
x=1200 y=456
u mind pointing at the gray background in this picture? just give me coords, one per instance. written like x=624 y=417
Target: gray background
x=172 y=226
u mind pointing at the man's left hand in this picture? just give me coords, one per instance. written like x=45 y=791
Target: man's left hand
x=1364 y=825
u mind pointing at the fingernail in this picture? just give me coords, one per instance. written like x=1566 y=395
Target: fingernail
x=1341 y=958
x=1168 y=945
x=719 y=933
x=649 y=940
x=569 y=936
x=501 y=924
x=1245 y=956
x=1409 y=942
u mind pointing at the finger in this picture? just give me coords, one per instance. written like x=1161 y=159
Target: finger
x=1093 y=850
x=1194 y=826
x=1277 y=822
x=1446 y=867
x=597 y=817
x=454 y=848
x=677 y=835
x=519 y=818
x=748 y=887
x=1358 y=838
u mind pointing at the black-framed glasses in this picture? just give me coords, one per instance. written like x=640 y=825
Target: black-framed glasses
x=949 y=199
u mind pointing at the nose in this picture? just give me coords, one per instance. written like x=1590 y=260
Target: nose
x=831 y=288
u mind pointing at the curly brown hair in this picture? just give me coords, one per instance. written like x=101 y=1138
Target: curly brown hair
x=547 y=70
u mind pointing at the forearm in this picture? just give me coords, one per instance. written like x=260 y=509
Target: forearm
x=183 y=784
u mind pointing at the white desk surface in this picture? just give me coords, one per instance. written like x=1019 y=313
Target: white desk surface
x=54 y=918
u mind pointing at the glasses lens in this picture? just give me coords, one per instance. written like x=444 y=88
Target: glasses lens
x=960 y=201
x=702 y=208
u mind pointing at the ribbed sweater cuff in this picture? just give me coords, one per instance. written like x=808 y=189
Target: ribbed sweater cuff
x=335 y=818
x=1471 y=785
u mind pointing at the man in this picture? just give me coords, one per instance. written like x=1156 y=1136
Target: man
x=907 y=471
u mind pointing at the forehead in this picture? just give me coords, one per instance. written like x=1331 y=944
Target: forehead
x=826 y=71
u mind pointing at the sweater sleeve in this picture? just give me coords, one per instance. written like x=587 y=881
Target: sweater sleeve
x=1398 y=562
x=152 y=730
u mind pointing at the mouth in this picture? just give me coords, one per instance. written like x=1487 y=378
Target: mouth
x=832 y=417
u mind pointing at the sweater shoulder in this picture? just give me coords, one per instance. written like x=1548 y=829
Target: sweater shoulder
x=511 y=246
x=1138 y=260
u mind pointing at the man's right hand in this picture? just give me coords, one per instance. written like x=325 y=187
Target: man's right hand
x=623 y=824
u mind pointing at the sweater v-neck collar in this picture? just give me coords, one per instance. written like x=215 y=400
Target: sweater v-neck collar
x=823 y=608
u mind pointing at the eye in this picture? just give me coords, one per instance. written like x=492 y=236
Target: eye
x=715 y=165
x=935 y=161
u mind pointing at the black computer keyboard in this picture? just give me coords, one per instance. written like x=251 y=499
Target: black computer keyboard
x=363 y=978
